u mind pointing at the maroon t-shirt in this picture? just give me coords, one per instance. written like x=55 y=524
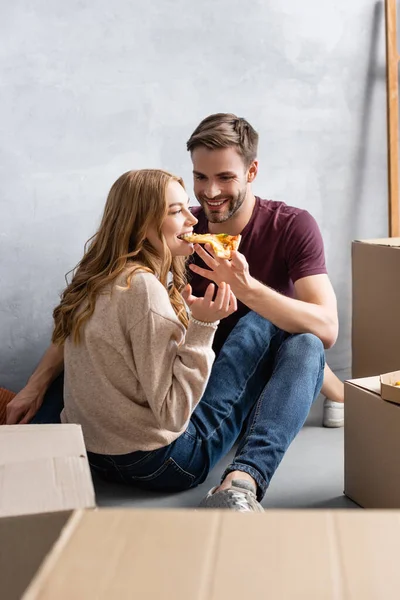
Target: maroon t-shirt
x=281 y=244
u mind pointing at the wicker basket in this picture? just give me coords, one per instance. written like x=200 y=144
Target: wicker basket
x=5 y=397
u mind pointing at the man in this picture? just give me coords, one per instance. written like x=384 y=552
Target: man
x=224 y=151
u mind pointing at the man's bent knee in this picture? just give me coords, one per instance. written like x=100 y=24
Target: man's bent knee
x=305 y=346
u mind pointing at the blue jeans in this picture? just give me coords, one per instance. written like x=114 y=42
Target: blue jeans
x=260 y=391
x=53 y=403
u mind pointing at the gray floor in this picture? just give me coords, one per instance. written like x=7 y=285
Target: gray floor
x=310 y=476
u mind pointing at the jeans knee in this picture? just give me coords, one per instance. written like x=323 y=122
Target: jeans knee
x=306 y=346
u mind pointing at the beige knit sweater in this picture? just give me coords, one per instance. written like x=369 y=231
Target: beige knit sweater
x=137 y=374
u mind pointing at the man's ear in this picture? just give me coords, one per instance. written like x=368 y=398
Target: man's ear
x=252 y=172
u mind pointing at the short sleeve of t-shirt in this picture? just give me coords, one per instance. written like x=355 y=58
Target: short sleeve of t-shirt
x=304 y=253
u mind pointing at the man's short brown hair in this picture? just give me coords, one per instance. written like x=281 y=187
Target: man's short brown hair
x=223 y=130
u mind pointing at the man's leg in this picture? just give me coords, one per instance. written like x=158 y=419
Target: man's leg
x=333 y=389
x=53 y=403
x=280 y=411
x=237 y=379
x=268 y=379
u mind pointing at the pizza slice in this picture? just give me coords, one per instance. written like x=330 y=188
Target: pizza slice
x=222 y=243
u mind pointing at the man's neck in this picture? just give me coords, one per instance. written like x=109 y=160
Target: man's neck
x=238 y=221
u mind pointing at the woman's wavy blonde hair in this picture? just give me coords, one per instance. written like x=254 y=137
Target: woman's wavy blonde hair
x=136 y=200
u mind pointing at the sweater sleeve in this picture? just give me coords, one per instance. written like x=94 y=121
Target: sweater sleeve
x=173 y=365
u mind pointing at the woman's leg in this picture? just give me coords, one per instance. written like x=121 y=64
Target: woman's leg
x=173 y=468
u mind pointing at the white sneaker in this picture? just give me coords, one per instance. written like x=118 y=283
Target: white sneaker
x=333 y=413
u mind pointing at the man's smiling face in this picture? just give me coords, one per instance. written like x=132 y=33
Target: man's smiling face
x=220 y=181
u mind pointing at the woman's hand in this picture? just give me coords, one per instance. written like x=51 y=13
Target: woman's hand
x=205 y=309
x=24 y=406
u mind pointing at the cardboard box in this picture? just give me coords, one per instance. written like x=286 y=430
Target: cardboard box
x=371 y=445
x=24 y=543
x=44 y=473
x=43 y=468
x=389 y=390
x=210 y=555
x=376 y=302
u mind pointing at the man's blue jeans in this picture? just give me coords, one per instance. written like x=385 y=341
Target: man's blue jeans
x=260 y=391
x=53 y=403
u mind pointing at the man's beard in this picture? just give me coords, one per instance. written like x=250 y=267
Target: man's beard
x=233 y=206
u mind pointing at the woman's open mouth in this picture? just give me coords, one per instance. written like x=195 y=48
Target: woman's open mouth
x=182 y=237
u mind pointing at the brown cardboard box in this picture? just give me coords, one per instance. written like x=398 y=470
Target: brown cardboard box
x=389 y=390
x=44 y=473
x=376 y=306
x=43 y=468
x=24 y=543
x=371 y=445
x=209 y=555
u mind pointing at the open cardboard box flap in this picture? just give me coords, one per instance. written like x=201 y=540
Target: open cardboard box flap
x=382 y=385
x=392 y=242
x=371 y=384
x=25 y=541
x=209 y=555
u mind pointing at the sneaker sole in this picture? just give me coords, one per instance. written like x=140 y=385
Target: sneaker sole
x=333 y=424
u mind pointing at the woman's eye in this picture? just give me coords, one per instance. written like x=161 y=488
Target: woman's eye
x=176 y=212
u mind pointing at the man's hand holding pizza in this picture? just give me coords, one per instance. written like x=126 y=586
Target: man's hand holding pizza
x=313 y=310
x=234 y=272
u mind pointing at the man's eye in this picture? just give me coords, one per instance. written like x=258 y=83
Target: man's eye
x=226 y=177
x=199 y=177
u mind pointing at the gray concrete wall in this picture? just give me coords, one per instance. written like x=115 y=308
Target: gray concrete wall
x=89 y=90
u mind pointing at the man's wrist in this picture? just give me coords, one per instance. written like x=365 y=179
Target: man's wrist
x=247 y=289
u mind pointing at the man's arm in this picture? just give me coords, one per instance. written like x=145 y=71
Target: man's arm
x=313 y=311
x=27 y=402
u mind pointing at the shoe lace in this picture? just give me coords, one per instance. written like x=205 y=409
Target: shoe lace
x=240 y=499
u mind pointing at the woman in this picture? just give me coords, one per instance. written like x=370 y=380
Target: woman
x=137 y=365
